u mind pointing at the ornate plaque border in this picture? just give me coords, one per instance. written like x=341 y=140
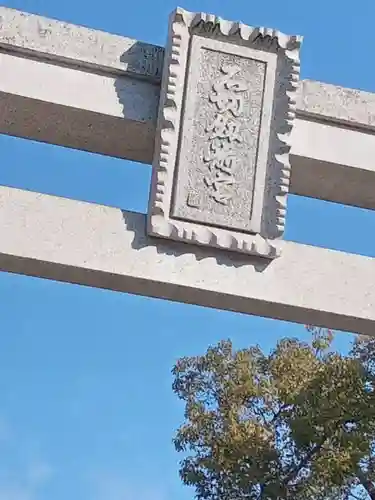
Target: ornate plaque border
x=182 y=26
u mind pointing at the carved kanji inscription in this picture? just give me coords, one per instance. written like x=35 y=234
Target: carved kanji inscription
x=218 y=151
x=221 y=167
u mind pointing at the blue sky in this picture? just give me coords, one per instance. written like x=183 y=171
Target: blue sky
x=86 y=407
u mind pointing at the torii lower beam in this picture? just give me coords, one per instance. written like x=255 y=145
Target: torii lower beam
x=104 y=247
x=85 y=89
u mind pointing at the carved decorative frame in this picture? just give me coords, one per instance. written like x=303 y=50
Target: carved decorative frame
x=273 y=183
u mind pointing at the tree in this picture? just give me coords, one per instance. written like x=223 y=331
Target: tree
x=297 y=423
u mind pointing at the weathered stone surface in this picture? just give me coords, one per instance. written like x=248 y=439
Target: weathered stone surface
x=117 y=116
x=221 y=165
x=82 y=47
x=218 y=155
x=332 y=103
x=104 y=247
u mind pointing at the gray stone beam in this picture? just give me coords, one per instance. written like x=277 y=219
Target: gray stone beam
x=103 y=247
x=77 y=87
x=86 y=89
x=79 y=109
x=334 y=144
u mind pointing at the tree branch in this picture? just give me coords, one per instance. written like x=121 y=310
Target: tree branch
x=278 y=413
x=351 y=494
x=294 y=472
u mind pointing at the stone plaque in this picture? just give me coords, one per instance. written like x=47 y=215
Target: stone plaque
x=221 y=167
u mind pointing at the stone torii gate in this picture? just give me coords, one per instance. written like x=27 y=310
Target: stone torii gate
x=222 y=166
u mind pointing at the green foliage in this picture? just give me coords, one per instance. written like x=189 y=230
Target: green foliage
x=297 y=423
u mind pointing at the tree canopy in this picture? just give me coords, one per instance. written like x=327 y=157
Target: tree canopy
x=296 y=423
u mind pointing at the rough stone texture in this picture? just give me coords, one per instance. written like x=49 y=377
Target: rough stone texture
x=221 y=161
x=333 y=103
x=103 y=247
x=333 y=163
x=79 y=46
x=106 y=114
x=331 y=159
x=196 y=198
